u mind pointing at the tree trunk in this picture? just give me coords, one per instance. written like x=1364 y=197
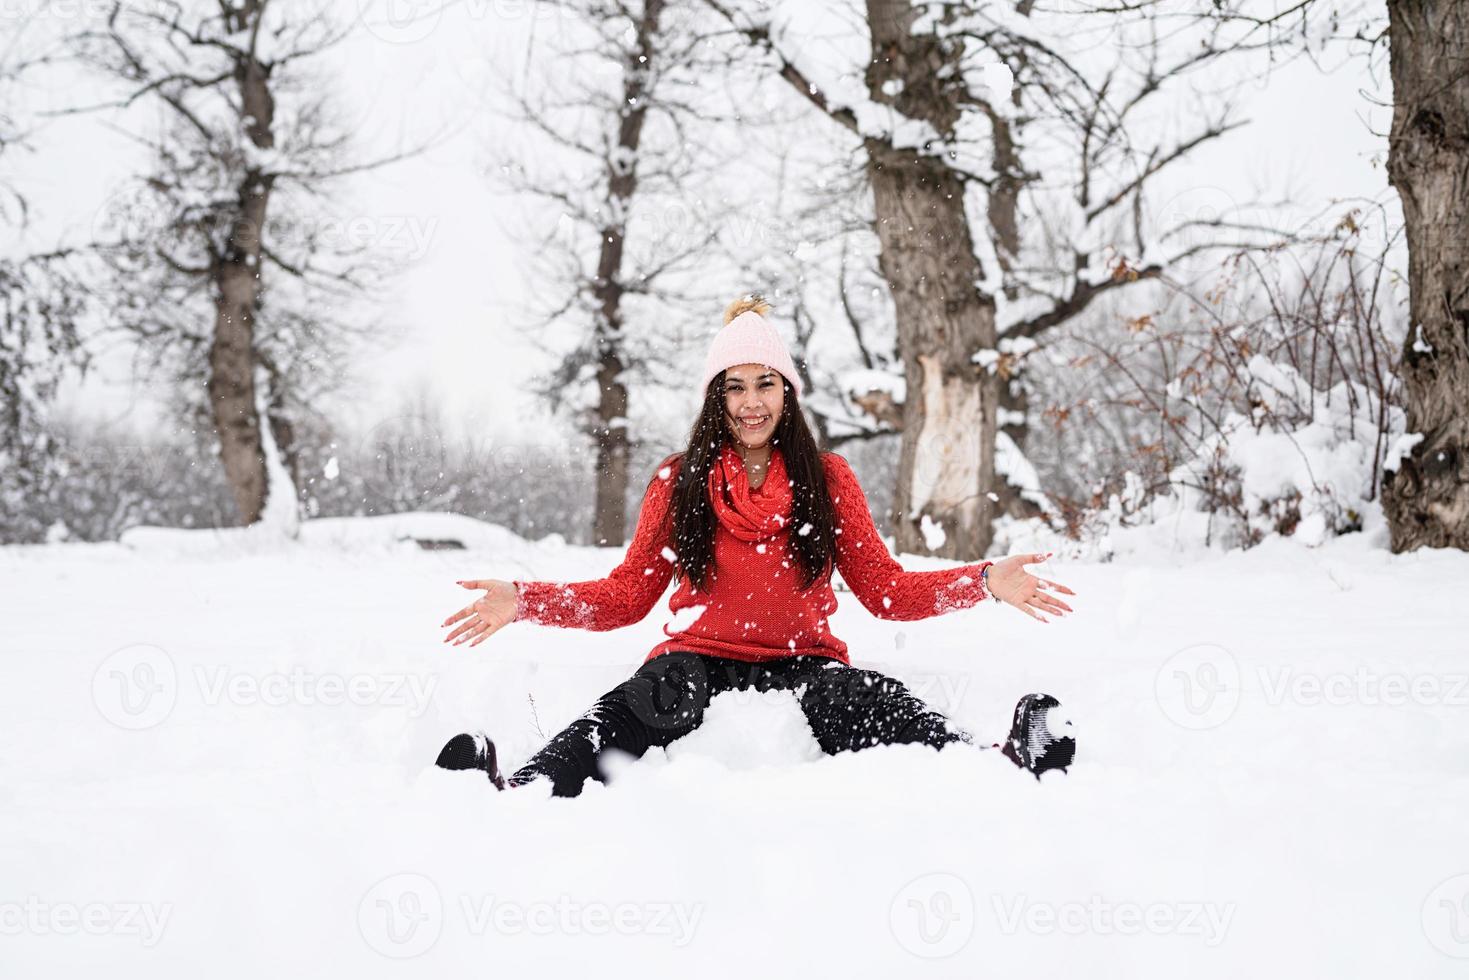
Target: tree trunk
x=610 y=432
x=231 y=388
x=1427 y=499
x=1004 y=225
x=236 y=278
x=1015 y=406
x=613 y=452
x=946 y=464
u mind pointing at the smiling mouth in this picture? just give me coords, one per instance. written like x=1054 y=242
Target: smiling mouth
x=756 y=423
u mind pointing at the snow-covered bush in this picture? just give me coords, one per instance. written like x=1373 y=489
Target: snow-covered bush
x=1302 y=463
x=1268 y=405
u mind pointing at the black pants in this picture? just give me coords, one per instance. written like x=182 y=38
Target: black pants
x=847 y=708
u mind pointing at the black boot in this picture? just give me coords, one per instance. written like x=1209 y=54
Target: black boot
x=467 y=751
x=1034 y=744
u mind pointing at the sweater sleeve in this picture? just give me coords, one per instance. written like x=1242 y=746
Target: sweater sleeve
x=628 y=592
x=874 y=576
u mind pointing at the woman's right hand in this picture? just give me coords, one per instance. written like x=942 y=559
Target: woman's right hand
x=1011 y=583
x=484 y=615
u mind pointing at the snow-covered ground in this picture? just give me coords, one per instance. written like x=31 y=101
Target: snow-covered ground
x=216 y=763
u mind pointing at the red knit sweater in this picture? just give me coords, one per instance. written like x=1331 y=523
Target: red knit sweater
x=753 y=609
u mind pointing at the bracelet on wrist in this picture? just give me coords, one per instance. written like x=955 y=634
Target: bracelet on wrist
x=984 y=580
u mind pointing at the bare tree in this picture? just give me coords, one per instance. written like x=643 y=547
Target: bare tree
x=943 y=145
x=226 y=265
x=41 y=310
x=1427 y=499
x=40 y=340
x=1426 y=495
x=617 y=100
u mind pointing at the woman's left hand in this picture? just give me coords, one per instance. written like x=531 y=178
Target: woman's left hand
x=1010 y=582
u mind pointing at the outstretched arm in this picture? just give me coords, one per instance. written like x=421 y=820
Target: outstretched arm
x=875 y=577
x=628 y=592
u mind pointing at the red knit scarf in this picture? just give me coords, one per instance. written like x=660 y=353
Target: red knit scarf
x=750 y=515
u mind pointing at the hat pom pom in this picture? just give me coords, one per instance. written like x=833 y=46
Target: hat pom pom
x=750 y=301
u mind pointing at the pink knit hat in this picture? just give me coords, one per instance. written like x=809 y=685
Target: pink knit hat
x=748 y=338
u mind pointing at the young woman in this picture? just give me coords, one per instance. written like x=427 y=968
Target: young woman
x=753 y=518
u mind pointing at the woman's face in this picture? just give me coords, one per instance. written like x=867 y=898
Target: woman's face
x=753 y=392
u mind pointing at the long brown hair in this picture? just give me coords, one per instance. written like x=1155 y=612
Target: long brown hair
x=691 y=525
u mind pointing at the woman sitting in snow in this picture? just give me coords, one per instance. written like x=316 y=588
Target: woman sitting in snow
x=753 y=517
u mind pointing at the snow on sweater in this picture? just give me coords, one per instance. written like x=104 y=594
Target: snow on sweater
x=753 y=609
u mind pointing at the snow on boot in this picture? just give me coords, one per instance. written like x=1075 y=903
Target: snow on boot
x=1040 y=737
x=467 y=751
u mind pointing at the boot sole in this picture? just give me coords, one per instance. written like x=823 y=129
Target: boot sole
x=464 y=751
